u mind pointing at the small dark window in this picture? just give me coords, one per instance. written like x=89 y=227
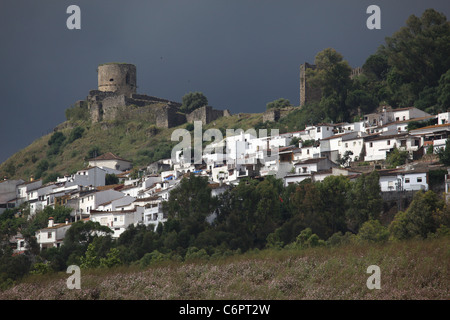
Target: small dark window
x=111 y=80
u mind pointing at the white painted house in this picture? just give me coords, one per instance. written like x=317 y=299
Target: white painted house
x=306 y=168
x=8 y=192
x=110 y=160
x=53 y=235
x=403 y=180
x=118 y=221
x=91 y=199
x=24 y=188
x=435 y=136
x=378 y=146
x=92 y=176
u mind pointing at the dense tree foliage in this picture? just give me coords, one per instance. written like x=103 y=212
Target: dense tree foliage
x=192 y=101
x=279 y=103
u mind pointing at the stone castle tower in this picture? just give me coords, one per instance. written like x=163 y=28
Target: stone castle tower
x=116 y=98
x=119 y=78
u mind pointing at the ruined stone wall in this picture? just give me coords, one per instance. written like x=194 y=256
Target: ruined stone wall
x=168 y=116
x=276 y=114
x=206 y=114
x=271 y=115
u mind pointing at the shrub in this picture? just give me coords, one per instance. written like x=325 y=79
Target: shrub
x=373 y=231
x=75 y=134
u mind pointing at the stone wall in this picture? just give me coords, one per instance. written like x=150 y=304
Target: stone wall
x=276 y=114
x=206 y=114
x=167 y=116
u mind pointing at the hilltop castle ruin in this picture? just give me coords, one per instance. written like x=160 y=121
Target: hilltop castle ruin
x=116 y=98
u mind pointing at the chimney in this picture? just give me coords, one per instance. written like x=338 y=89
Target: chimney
x=50 y=222
x=67 y=221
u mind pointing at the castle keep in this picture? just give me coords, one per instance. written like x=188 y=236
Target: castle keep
x=116 y=98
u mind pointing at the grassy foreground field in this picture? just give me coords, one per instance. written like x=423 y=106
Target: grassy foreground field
x=415 y=269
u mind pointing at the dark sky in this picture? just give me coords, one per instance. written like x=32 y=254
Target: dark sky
x=240 y=53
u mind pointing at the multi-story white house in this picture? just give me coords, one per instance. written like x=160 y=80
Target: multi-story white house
x=435 y=136
x=403 y=180
x=24 y=189
x=377 y=146
x=110 y=160
x=118 y=221
x=8 y=193
x=53 y=235
x=93 y=176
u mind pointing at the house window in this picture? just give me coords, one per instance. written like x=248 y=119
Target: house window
x=371 y=144
x=115 y=219
x=304 y=169
x=407 y=180
x=307 y=151
x=419 y=179
x=404 y=118
x=346 y=145
x=318 y=129
x=403 y=143
x=49 y=235
x=397 y=119
x=389 y=142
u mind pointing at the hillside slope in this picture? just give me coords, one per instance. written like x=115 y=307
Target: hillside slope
x=137 y=140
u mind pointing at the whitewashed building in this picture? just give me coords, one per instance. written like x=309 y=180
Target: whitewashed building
x=53 y=235
x=118 y=221
x=403 y=180
x=110 y=160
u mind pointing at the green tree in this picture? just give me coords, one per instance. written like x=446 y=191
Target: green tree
x=372 y=231
x=364 y=200
x=418 y=54
x=422 y=217
x=75 y=134
x=444 y=154
x=111 y=260
x=443 y=92
x=90 y=259
x=111 y=179
x=333 y=190
x=332 y=76
x=396 y=157
x=192 y=101
x=279 y=103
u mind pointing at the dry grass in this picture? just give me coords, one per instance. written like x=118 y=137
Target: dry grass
x=409 y=270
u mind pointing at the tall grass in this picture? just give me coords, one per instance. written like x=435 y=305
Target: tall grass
x=414 y=269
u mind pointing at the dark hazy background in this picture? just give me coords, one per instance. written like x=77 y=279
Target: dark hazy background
x=240 y=53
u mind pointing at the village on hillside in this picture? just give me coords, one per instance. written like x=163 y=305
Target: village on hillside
x=318 y=151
